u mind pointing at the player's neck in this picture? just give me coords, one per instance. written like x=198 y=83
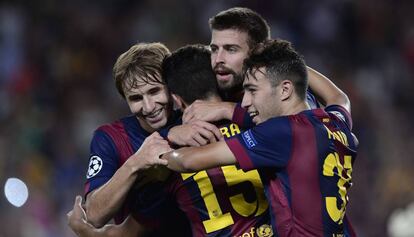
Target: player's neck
x=295 y=107
x=232 y=95
x=210 y=98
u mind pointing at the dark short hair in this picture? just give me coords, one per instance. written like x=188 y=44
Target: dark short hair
x=188 y=73
x=281 y=62
x=140 y=64
x=245 y=20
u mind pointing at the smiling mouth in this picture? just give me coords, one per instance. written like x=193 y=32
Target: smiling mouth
x=153 y=115
x=253 y=114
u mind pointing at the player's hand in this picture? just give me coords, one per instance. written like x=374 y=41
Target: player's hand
x=197 y=133
x=77 y=220
x=208 y=111
x=149 y=153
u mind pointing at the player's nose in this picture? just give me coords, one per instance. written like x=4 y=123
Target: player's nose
x=148 y=105
x=246 y=101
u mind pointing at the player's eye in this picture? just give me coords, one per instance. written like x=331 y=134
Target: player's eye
x=213 y=48
x=250 y=90
x=232 y=50
x=154 y=91
x=135 y=98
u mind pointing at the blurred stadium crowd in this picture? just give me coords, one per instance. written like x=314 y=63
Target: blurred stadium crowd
x=56 y=87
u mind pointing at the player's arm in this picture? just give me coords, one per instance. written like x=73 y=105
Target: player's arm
x=326 y=91
x=196 y=133
x=78 y=223
x=192 y=159
x=208 y=111
x=102 y=203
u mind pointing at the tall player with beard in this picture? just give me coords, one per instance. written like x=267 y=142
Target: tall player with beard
x=235 y=32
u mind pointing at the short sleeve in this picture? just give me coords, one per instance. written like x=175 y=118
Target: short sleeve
x=264 y=146
x=340 y=113
x=103 y=161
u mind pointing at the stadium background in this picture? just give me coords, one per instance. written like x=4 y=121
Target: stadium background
x=56 y=87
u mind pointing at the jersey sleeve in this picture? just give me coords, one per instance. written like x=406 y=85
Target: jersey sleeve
x=103 y=161
x=241 y=117
x=340 y=113
x=264 y=146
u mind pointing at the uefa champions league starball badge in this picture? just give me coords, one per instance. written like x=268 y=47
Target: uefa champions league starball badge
x=95 y=165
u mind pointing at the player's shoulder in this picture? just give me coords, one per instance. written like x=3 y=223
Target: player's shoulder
x=277 y=125
x=117 y=125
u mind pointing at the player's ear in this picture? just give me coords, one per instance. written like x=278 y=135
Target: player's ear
x=178 y=102
x=286 y=89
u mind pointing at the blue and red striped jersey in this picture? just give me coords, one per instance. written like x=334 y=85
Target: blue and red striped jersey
x=224 y=201
x=306 y=165
x=111 y=145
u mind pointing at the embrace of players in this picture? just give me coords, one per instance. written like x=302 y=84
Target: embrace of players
x=225 y=140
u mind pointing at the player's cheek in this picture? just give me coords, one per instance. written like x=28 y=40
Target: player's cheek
x=135 y=107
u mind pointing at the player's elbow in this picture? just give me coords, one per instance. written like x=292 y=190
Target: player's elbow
x=94 y=220
x=94 y=217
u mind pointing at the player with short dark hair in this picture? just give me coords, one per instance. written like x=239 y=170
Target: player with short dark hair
x=187 y=75
x=223 y=201
x=305 y=155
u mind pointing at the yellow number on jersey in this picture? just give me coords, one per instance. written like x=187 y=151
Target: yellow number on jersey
x=217 y=219
x=332 y=161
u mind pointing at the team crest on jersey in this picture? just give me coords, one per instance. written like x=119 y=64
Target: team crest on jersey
x=249 y=139
x=264 y=231
x=95 y=165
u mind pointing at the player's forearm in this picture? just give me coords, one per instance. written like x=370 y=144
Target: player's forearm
x=326 y=91
x=193 y=159
x=227 y=110
x=103 y=203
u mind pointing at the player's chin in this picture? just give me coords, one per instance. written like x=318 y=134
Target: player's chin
x=156 y=125
x=257 y=120
x=158 y=121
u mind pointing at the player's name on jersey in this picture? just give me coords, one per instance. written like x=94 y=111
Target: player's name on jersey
x=230 y=130
x=337 y=135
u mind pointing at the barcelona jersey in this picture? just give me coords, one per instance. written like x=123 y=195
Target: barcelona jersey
x=224 y=201
x=305 y=162
x=112 y=144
